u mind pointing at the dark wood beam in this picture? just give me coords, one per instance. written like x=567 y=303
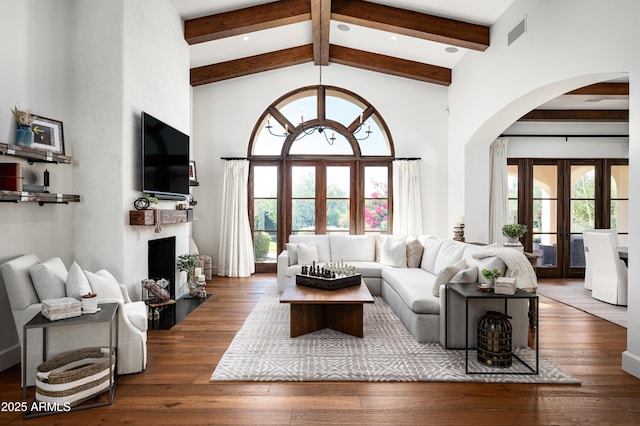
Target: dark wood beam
x=251 y=65
x=321 y=19
x=390 y=65
x=618 y=89
x=410 y=23
x=241 y=21
x=576 y=115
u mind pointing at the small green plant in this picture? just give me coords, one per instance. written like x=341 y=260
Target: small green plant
x=537 y=240
x=514 y=230
x=261 y=242
x=186 y=263
x=152 y=200
x=491 y=274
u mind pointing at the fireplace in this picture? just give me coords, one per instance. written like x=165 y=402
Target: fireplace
x=162 y=262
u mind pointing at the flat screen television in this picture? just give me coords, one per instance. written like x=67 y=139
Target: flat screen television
x=165 y=159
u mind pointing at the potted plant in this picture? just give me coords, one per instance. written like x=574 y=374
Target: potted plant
x=24 y=134
x=187 y=263
x=491 y=275
x=536 y=243
x=513 y=232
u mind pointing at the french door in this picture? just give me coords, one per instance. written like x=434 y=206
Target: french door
x=559 y=199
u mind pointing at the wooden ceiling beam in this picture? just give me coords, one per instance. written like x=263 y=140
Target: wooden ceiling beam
x=576 y=115
x=251 y=65
x=410 y=23
x=389 y=65
x=321 y=20
x=241 y=21
x=618 y=89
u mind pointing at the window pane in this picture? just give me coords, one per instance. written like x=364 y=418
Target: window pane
x=583 y=182
x=302 y=106
x=265 y=217
x=338 y=182
x=341 y=108
x=303 y=182
x=375 y=182
x=321 y=144
x=512 y=215
x=266 y=143
x=376 y=143
x=620 y=181
x=376 y=215
x=576 y=250
x=265 y=182
x=582 y=215
x=303 y=215
x=549 y=252
x=545 y=182
x=620 y=215
x=338 y=214
x=512 y=181
x=376 y=203
x=545 y=216
x=264 y=246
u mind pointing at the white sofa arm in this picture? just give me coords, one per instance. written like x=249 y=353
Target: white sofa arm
x=283 y=264
x=125 y=293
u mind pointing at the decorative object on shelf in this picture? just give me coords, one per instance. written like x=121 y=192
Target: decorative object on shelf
x=505 y=285
x=187 y=263
x=11 y=177
x=491 y=275
x=24 y=133
x=45 y=180
x=89 y=303
x=156 y=289
x=513 y=232
x=192 y=171
x=61 y=308
x=48 y=135
x=458 y=230
x=144 y=202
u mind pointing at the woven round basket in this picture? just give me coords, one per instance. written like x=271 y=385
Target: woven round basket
x=76 y=376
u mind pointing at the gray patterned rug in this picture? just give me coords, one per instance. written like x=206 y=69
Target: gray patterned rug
x=263 y=351
x=574 y=294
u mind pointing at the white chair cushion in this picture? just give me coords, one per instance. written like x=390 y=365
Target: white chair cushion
x=49 y=279
x=136 y=312
x=77 y=283
x=107 y=289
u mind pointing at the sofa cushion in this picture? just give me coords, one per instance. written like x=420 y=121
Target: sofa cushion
x=353 y=247
x=322 y=244
x=307 y=253
x=380 y=239
x=292 y=252
x=77 y=283
x=394 y=253
x=413 y=285
x=466 y=276
x=450 y=252
x=136 y=312
x=108 y=290
x=445 y=275
x=49 y=279
x=21 y=292
x=414 y=253
x=431 y=248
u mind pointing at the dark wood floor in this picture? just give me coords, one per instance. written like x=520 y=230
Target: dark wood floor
x=175 y=388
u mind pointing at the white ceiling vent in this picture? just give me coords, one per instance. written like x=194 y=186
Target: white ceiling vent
x=517 y=31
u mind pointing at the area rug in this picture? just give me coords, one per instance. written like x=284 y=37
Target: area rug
x=575 y=295
x=263 y=351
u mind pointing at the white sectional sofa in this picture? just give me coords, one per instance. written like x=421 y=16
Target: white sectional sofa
x=416 y=292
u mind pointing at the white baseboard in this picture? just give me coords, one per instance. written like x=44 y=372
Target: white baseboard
x=631 y=363
x=9 y=357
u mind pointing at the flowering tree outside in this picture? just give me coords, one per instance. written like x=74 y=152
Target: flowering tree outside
x=376 y=208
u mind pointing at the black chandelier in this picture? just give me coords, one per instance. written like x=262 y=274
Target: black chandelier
x=307 y=131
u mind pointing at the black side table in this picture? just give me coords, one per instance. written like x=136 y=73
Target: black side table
x=469 y=292
x=107 y=313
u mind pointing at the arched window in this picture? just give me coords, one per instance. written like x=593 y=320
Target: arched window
x=320 y=163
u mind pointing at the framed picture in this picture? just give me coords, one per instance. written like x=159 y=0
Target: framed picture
x=47 y=135
x=192 y=171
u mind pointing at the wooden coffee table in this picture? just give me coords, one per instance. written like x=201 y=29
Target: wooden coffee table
x=314 y=309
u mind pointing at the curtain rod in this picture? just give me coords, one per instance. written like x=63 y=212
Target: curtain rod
x=393 y=159
x=233 y=158
x=504 y=135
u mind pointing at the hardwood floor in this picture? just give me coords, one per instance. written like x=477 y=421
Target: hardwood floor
x=175 y=388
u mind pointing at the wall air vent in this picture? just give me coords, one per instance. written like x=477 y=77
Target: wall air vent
x=517 y=31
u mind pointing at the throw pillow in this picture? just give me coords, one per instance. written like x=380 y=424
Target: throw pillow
x=107 y=290
x=307 y=253
x=414 y=253
x=394 y=253
x=445 y=275
x=292 y=251
x=466 y=276
x=380 y=239
x=49 y=279
x=77 y=283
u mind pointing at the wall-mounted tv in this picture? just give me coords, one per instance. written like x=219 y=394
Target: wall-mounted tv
x=165 y=159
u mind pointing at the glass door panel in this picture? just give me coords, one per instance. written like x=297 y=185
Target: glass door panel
x=512 y=186
x=265 y=213
x=619 y=208
x=545 y=213
x=582 y=210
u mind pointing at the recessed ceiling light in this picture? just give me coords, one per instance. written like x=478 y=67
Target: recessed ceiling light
x=451 y=49
x=245 y=38
x=394 y=37
x=343 y=27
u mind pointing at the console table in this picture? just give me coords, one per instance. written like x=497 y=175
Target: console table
x=107 y=313
x=469 y=292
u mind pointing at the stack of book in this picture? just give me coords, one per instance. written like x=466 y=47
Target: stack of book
x=10 y=177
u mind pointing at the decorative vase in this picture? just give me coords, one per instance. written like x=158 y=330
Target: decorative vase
x=24 y=135
x=512 y=241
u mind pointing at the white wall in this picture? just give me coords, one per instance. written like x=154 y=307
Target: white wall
x=568 y=44
x=34 y=73
x=226 y=112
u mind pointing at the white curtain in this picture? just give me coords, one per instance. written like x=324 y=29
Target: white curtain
x=499 y=195
x=407 y=210
x=235 y=255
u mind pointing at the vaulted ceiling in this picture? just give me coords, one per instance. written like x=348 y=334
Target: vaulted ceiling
x=416 y=39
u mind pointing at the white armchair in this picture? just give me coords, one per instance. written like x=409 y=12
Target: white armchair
x=605 y=272
x=25 y=304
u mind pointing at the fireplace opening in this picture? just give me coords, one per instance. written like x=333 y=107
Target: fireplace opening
x=162 y=262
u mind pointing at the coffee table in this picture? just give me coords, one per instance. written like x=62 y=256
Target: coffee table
x=313 y=309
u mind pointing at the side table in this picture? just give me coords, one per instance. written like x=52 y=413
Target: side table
x=107 y=313
x=469 y=292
